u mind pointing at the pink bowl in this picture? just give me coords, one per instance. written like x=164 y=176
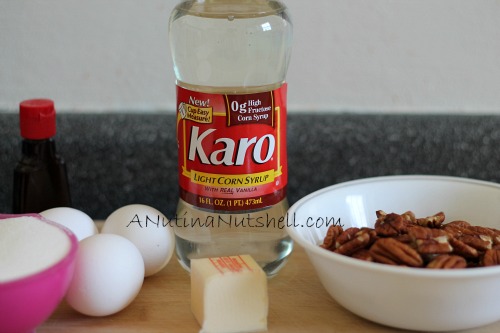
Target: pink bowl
x=27 y=302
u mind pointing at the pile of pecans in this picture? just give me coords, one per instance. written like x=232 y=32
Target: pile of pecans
x=404 y=240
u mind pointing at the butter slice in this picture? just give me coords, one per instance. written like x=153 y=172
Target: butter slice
x=229 y=294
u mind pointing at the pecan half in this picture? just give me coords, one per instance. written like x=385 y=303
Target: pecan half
x=331 y=236
x=405 y=238
x=477 y=230
x=455 y=228
x=462 y=249
x=461 y=224
x=446 y=261
x=346 y=236
x=495 y=236
x=362 y=254
x=433 y=221
x=409 y=216
x=380 y=213
x=361 y=240
x=391 y=225
x=433 y=246
x=491 y=258
x=393 y=252
x=419 y=232
x=430 y=240
x=479 y=242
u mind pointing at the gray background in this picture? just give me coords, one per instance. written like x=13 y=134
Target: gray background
x=125 y=158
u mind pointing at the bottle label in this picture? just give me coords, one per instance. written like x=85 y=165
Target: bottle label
x=232 y=149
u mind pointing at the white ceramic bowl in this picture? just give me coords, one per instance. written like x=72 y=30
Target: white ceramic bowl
x=407 y=298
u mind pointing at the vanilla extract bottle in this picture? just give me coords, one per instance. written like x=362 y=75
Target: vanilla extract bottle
x=40 y=176
x=230 y=60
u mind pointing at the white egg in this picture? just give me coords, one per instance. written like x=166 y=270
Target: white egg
x=148 y=229
x=109 y=272
x=75 y=220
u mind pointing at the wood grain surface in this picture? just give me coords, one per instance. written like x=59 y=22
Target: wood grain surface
x=297 y=303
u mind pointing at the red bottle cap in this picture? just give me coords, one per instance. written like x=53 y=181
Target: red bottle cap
x=37 y=119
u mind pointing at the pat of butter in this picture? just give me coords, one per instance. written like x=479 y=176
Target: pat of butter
x=229 y=294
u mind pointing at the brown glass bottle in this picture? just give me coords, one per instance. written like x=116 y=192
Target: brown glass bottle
x=40 y=177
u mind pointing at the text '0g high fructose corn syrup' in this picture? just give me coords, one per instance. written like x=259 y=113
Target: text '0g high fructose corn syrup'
x=230 y=60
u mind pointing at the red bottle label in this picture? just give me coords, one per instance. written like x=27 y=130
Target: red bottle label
x=232 y=149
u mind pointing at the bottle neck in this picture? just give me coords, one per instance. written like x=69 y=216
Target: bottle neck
x=40 y=149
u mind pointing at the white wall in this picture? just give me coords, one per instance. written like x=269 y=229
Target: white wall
x=349 y=55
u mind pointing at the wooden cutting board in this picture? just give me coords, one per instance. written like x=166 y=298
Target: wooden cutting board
x=297 y=303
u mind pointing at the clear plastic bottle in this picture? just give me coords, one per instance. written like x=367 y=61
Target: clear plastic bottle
x=230 y=61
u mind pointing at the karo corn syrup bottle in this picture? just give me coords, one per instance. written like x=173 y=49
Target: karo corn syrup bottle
x=230 y=61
